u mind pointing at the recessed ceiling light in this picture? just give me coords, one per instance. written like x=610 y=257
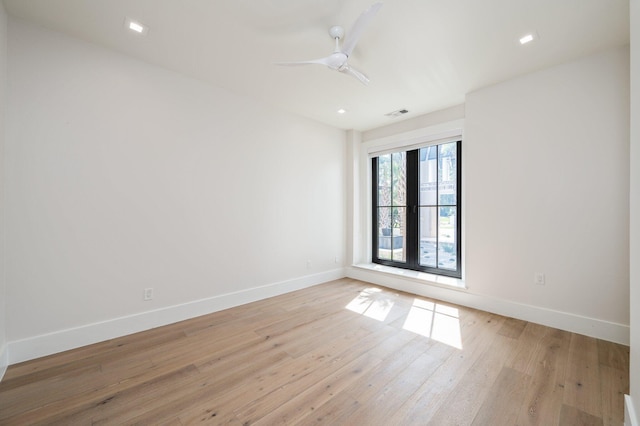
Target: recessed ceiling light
x=528 y=38
x=341 y=111
x=136 y=26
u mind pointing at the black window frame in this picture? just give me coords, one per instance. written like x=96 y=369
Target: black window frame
x=412 y=238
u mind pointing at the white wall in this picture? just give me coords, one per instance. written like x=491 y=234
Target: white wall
x=635 y=205
x=546 y=189
x=121 y=176
x=3 y=295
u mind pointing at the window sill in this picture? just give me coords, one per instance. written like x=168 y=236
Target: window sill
x=421 y=277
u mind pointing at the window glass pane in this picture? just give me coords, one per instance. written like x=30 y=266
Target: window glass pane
x=391 y=233
x=384 y=180
x=384 y=233
x=384 y=220
x=398 y=233
x=399 y=178
x=384 y=253
x=428 y=175
x=447 y=249
x=428 y=240
x=447 y=166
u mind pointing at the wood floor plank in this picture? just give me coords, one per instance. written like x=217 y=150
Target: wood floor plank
x=304 y=404
x=130 y=402
x=189 y=398
x=390 y=398
x=51 y=365
x=510 y=385
x=60 y=364
x=473 y=389
x=583 y=380
x=615 y=383
x=548 y=367
x=364 y=391
x=263 y=405
x=303 y=339
x=305 y=299
x=403 y=354
x=58 y=389
x=253 y=389
x=481 y=330
x=524 y=358
x=613 y=355
x=340 y=353
x=235 y=323
x=512 y=328
x=99 y=387
x=332 y=412
x=573 y=416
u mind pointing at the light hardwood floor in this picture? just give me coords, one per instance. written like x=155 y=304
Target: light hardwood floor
x=341 y=353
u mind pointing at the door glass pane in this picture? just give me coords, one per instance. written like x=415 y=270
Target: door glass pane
x=384 y=180
x=398 y=233
x=447 y=250
x=399 y=178
x=447 y=165
x=428 y=175
x=428 y=240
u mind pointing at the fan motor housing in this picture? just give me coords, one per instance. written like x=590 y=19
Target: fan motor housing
x=336 y=32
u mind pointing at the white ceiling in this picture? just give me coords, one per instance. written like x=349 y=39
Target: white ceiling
x=422 y=55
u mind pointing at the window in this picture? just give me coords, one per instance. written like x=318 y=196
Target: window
x=416 y=209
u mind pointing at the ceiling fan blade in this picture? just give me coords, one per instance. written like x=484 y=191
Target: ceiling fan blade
x=355 y=73
x=321 y=61
x=358 y=27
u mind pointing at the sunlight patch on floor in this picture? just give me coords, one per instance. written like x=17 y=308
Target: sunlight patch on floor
x=433 y=320
x=439 y=322
x=371 y=304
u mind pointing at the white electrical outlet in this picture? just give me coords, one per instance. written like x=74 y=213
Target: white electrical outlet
x=148 y=293
x=538 y=278
x=308 y=264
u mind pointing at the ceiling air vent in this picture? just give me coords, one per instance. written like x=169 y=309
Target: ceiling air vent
x=396 y=113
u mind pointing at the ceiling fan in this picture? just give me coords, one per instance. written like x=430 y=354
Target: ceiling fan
x=338 y=59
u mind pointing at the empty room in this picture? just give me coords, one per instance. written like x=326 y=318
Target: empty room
x=320 y=212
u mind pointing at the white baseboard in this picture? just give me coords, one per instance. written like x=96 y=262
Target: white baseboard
x=4 y=360
x=630 y=418
x=59 y=341
x=613 y=332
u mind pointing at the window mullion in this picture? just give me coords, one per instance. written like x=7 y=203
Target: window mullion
x=391 y=203
x=412 y=238
x=437 y=206
x=458 y=210
x=374 y=213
